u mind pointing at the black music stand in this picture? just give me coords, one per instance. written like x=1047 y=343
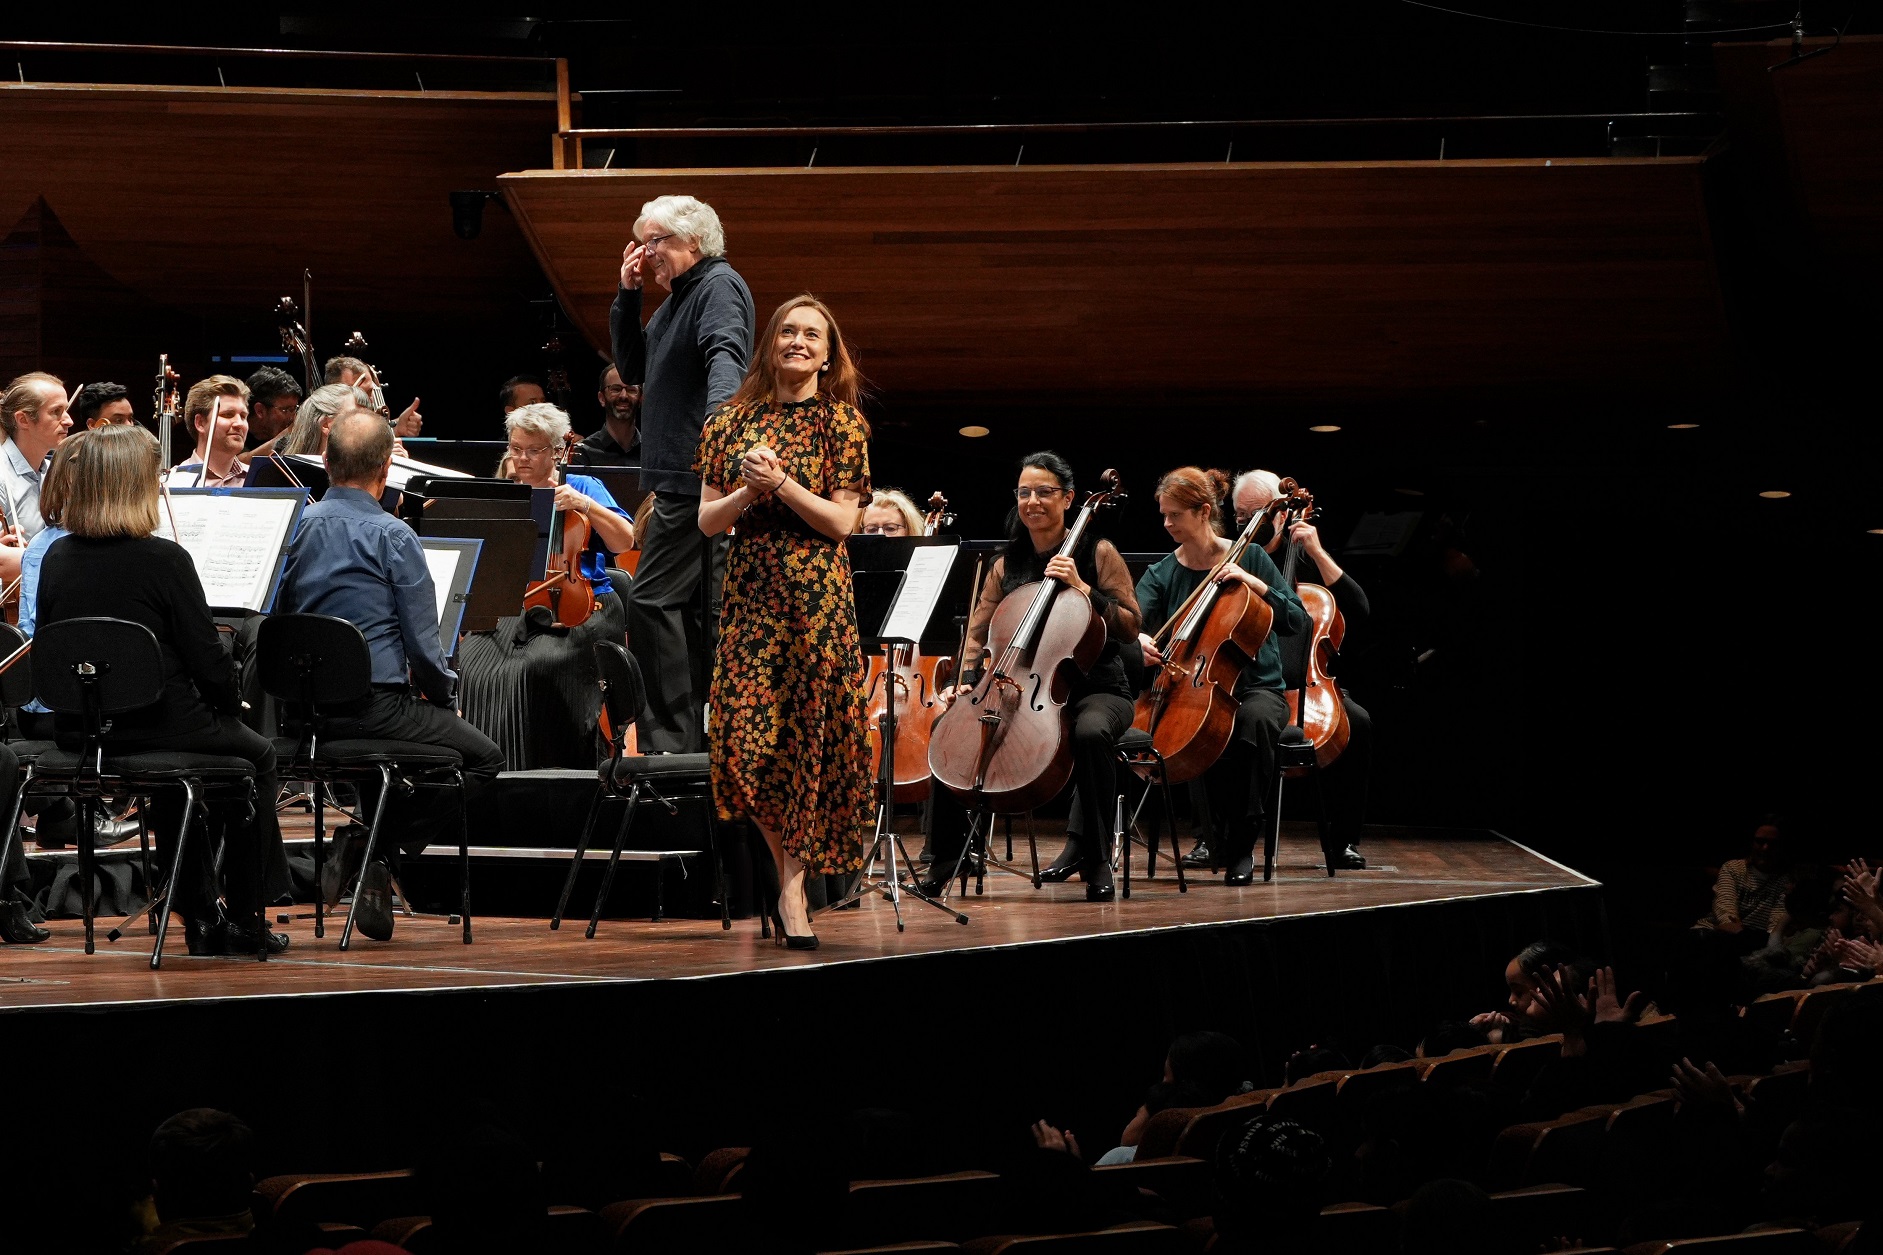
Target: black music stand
x=880 y=567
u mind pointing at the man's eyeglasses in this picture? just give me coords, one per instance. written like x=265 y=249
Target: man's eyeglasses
x=1044 y=494
x=652 y=240
x=885 y=529
x=617 y=390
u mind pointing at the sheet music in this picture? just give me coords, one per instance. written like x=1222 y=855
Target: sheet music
x=403 y=469
x=1378 y=532
x=921 y=586
x=443 y=564
x=235 y=541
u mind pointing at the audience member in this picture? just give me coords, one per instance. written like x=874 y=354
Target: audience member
x=201 y=1174
x=1749 y=889
x=483 y=1191
x=1312 y=1062
x=1536 y=962
x=1383 y=1054
x=1271 y=1175
x=1450 y=1037
x=1797 y=930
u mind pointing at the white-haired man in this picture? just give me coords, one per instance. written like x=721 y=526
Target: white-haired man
x=689 y=360
x=1348 y=778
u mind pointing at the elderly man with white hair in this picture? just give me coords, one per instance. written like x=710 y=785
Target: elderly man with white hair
x=689 y=360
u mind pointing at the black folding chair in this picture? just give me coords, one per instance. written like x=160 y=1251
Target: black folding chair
x=319 y=668
x=95 y=668
x=634 y=776
x=1138 y=756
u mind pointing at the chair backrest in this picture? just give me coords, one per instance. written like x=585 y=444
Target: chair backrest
x=113 y=663
x=16 y=682
x=623 y=693
x=678 y=1225
x=315 y=661
x=945 y=1208
x=358 y=1198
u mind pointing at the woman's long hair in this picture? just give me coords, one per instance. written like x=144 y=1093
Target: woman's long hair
x=110 y=484
x=841 y=382
x=1022 y=564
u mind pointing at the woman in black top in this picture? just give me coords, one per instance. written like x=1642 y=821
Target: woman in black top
x=111 y=565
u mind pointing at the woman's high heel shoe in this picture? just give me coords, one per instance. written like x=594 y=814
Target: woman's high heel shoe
x=1071 y=860
x=782 y=938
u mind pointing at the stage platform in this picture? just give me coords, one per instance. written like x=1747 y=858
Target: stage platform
x=1409 y=869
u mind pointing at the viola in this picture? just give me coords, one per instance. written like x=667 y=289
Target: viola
x=1190 y=708
x=1006 y=745
x=916 y=681
x=565 y=591
x=1315 y=705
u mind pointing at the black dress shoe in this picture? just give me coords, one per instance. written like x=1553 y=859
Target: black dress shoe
x=1098 y=883
x=372 y=909
x=934 y=882
x=1200 y=856
x=241 y=937
x=17 y=927
x=1241 y=872
x=1065 y=866
x=205 y=937
x=1347 y=860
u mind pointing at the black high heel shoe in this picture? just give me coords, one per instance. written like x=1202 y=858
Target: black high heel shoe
x=1098 y=882
x=1063 y=868
x=782 y=938
x=17 y=927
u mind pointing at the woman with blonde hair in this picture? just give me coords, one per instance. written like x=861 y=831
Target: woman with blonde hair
x=891 y=513
x=787 y=459
x=112 y=565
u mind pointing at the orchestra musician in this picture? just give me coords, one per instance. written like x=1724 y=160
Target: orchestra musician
x=520 y=390
x=33 y=415
x=1099 y=703
x=1347 y=778
x=351 y=370
x=1190 y=501
x=617 y=442
x=689 y=360
x=274 y=400
x=351 y=559
x=16 y=883
x=216 y=413
x=103 y=405
x=308 y=436
x=112 y=565
x=891 y=513
x=787 y=462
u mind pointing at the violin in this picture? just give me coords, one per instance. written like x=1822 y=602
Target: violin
x=1190 y=708
x=915 y=681
x=1314 y=705
x=565 y=591
x=1006 y=745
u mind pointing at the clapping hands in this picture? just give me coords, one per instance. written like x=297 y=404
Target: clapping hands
x=1046 y=1137
x=762 y=471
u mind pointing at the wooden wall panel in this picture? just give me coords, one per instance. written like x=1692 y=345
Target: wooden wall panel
x=1324 y=279
x=213 y=199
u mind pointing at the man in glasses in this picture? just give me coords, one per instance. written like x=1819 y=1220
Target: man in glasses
x=618 y=441
x=688 y=361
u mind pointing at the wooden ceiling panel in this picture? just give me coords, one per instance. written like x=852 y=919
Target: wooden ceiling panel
x=1358 y=278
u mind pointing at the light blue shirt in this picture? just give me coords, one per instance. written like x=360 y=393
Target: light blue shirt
x=30 y=562
x=19 y=480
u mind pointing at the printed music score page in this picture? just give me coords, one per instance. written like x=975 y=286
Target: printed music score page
x=443 y=564
x=921 y=585
x=236 y=537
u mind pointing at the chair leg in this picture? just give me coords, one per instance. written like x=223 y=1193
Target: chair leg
x=366 y=860
x=660 y=889
x=464 y=860
x=1272 y=838
x=721 y=885
x=262 y=931
x=87 y=862
x=177 y=863
x=575 y=864
x=1176 y=847
x=1032 y=848
x=614 y=859
x=13 y=835
x=1320 y=819
x=1009 y=827
x=320 y=858
x=143 y=856
x=1121 y=844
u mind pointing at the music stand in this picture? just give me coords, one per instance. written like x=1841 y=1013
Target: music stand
x=913 y=571
x=454 y=558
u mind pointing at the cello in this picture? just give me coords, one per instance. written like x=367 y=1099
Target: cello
x=1190 y=708
x=915 y=682
x=564 y=590
x=1005 y=745
x=1315 y=705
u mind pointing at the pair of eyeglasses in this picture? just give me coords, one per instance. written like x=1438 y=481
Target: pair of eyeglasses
x=1044 y=494
x=517 y=451
x=652 y=240
x=616 y=390
x=886 y=529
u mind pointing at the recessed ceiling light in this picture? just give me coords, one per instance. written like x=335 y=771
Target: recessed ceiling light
x=1682 y=426
x=973 y=429
x=1774 y=494
x=1325 y=427
x=1876 y=531
x=1410 y=492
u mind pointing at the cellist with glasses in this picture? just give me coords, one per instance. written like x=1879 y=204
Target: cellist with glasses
x=1190 y=501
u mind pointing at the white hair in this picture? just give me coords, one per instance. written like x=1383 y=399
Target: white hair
x=1268 y=481
x=540 y=419
x=687 y=218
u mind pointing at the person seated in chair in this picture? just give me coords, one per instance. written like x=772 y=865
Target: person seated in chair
x=201 y=1176
x=352 y=560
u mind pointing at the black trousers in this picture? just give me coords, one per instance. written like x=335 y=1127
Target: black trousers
x=1242 y=781
x=14 y=878
x=670 y=623
x=395 y=715
x=251 y=838
x=1350 y=776
x=1098 y=720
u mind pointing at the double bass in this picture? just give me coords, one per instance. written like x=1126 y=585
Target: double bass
x=1315 y=705
x=1006 y=746
x=915 y=682
x=1190 y=708
x=565 y=590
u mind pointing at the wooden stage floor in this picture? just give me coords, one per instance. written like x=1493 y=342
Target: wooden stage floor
x=1409 y=867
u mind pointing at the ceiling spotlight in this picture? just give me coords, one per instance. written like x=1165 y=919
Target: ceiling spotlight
x=973 y=430
x=1682 y=426
x=1325 y=427
x=1876 y=531
x=1774 y=494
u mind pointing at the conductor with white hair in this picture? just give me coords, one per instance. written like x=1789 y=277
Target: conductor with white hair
x=689 y=359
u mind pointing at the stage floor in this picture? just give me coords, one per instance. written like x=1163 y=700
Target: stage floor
x=1409 y=868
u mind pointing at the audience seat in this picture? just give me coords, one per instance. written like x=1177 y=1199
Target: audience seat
x=1774 y=1012
x=715 y=1173
x=568 y=1231
x=1474 y=1063
x=355 y=1198
x=1138 y=1238
x=1783 y=1092
x=954 y=1206
x=1309 y=1101
x=1833 y=1238
x=1356 y=1229
x=1537 y=1214
x=1519 y=1063
x=674 y=1226
x=222 y=1244
x=894 y=1246
x=1185 y=1183
x=1525 y=1154
x=1357 y=1089
x=1813 y=1007
x=1763 y=1242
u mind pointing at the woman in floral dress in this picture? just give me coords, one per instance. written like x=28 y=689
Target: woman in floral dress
x=786 y=463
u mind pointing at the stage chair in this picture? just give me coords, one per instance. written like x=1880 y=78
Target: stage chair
x=953 y=1206
x=633 y=776
x=1294 y=757
x=675 y=1226
x=318 y=667
x=1763 y=1242
x=1138 y=756
x=1141 y=1237
x=93 y=668
x=364 y=1199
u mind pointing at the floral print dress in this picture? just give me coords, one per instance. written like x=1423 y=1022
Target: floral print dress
x=787 y=733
